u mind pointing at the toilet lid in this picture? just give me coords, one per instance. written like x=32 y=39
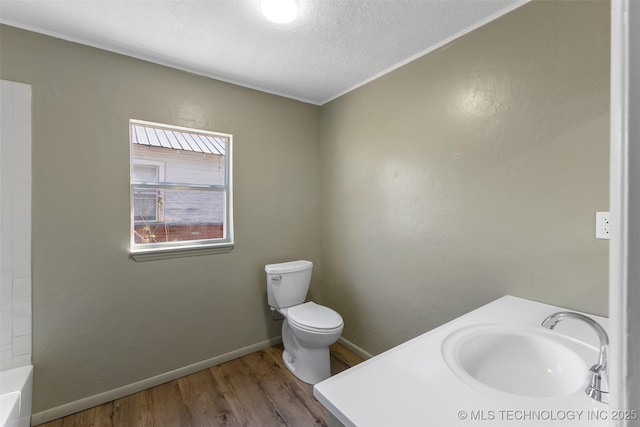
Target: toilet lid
x=315 y=316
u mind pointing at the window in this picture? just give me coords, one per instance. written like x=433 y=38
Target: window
x=181 y=198
x=147 y=202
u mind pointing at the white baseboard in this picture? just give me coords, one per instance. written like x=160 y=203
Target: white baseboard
x=357 y=350
x=117 y=393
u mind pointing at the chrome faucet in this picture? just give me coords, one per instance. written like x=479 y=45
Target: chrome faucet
x=598 y=388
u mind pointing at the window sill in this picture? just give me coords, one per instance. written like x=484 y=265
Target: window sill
x=178 y=252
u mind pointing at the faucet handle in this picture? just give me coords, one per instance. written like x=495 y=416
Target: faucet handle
x=598 y=384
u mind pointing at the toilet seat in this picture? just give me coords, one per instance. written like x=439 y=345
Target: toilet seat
x=314 y=317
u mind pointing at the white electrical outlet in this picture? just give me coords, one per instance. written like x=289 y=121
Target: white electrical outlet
x=603 y=225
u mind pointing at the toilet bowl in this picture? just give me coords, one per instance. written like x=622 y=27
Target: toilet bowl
x=306 y=343
x=308 y=329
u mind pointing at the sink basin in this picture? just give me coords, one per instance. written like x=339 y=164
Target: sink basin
x=532 y=362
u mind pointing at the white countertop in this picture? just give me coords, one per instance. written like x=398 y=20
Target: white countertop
x=411 y=384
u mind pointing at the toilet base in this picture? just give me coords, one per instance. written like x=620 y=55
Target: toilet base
x=310 y=365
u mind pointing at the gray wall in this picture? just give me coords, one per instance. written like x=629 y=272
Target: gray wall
x=471 y=173
x=101 y=320
x=468 y=174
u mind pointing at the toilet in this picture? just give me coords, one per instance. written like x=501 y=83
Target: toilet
x=308 y=329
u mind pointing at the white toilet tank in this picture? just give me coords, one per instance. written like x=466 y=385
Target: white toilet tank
x=288 y=283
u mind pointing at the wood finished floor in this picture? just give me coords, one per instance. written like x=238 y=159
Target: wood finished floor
x=254 y=390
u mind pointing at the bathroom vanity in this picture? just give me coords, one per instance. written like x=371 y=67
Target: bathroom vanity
x=494 y=366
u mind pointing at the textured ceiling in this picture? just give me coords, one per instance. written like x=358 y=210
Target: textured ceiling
x=332 y=47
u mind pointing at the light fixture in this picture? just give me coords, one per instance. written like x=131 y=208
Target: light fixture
x=280 y=11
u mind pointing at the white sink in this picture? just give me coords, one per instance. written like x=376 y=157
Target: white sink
x=532 y=362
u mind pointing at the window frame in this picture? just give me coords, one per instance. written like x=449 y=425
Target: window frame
x=165 y=250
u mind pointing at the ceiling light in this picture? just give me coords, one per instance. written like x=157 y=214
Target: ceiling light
x=280 y=11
